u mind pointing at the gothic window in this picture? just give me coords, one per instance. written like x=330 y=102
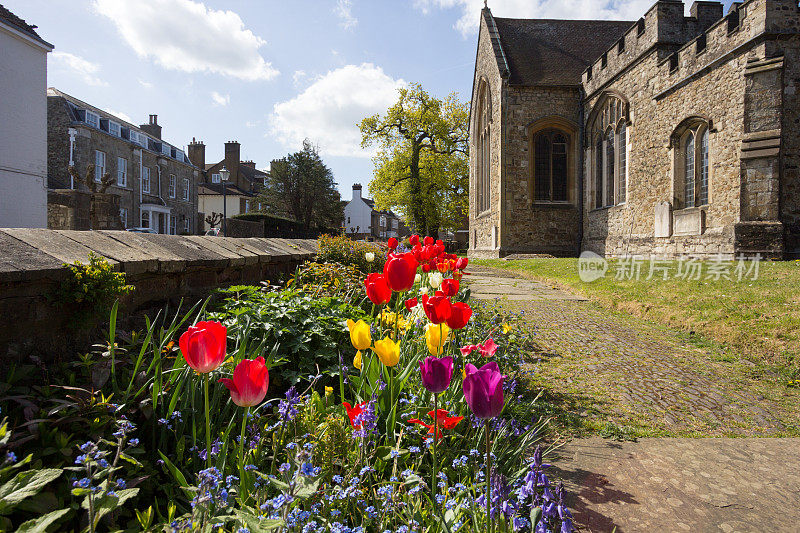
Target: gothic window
x=483 y=143
x=551 y=165
x=690 y=144
x=609 y=163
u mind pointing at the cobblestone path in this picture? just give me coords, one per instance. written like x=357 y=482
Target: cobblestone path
x=625 y=377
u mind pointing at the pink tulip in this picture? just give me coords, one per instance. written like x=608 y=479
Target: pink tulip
x=203 y=346
x=468 y=349
x=488 y=348
x=483 y=390
x=250 y=382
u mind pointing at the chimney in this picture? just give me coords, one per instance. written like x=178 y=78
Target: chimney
x=356 y=190
x=250 y=164
x=232 y=155
x=152 y=128
x=197 y=154
x=706 y=13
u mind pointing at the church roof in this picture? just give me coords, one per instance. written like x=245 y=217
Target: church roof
x=552 y=52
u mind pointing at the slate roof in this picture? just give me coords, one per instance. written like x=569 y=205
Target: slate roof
x=216 y=188
x=551 y=52
x=17 y=23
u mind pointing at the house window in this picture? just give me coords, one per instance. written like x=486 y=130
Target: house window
x=93 y=119
x=483 y=136
x=551 y=165
x=215 y=178
x=186 y=225
x=166 y=149
x=146 y=179
x=186 y=189
x=178 y=154
x=383 y=222
x=99 y=165
x=609 y=127
x=173 y=222
x=691 y=144
x=394 y=224
x=247 y=206
x=123 y=217
x=172 y=185
x=348 y=220
x=145 y=219
x=113 y=129
x=122 y=172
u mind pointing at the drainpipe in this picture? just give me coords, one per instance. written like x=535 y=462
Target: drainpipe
x=581 y=164
x=72 y=132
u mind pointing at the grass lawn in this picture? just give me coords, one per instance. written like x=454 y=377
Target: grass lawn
x=758 y=319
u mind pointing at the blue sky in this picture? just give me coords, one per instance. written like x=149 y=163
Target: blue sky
x=269 y=73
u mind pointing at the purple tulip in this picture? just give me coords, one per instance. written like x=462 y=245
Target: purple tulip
x=436 y=373
x=483 y=389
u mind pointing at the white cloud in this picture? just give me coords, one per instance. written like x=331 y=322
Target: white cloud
x=344 y=10
x=329 y=110
x=470 y=10
x=119 y=114
x=190 y=37
x=145 y=84
x=298 y=77
x=86 y=70
x=220 y=99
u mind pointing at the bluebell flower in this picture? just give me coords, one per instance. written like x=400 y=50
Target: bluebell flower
x=121 y=483
x=11 y=457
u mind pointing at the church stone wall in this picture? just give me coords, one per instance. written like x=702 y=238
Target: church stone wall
x=484 y=228
x=531 y=227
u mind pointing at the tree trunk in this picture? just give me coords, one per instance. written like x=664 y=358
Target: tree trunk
x=417 y=204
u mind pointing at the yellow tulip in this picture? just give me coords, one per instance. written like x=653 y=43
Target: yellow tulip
x=359 y=334
x=328 y=391
x=507 y=327
x=357 y=360
x=388 y=351
x=434 y=340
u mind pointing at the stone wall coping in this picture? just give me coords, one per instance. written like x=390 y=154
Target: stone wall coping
x=34 y=253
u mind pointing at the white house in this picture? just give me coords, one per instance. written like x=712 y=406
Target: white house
x=363 y=221
x=23 y=128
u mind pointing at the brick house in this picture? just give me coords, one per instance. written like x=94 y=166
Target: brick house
x=154 y=180
x=244 y=183
x=670 y=135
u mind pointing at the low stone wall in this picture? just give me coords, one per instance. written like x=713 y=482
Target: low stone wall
x=162 y=268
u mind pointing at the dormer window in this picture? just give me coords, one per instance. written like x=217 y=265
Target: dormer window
x=92 y=119
x=166 y=149
x=114 y=129
x=215 y=178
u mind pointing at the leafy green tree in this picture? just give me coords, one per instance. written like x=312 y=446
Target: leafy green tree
x=300 y=186
x=421 y=168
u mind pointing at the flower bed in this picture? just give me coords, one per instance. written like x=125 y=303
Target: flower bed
x=293 y=411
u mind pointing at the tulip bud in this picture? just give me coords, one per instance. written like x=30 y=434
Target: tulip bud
x=435 y=280
x=369 y=256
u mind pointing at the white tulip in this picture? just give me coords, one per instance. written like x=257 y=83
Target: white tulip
x=369 y=256
x=435 y=280
x=417 y=278
x=423 y=290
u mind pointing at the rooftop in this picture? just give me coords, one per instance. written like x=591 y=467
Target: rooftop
x=10 y=19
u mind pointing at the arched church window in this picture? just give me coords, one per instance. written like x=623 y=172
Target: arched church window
x=551 y=165
x=483 y=146
x=690 y=142
x=609 y=167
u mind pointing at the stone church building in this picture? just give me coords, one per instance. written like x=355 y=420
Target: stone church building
x=670 y=135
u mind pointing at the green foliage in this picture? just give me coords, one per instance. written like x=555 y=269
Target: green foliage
x=421 y=168
x=343 y=250
x=300 y=186
x=90 y=288
x=307 y=331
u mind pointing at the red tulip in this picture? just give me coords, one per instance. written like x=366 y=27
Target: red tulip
x=488 y=349
x=468 y=349
x=445 y=421
x=462 y=263
x=427 y=241
x=378 y=290
x=411 y=303
x=400 y=271
x=426 y=268
x=413 y=240
x=250 y=382
x=483 y=389
x=438 y=249
x=392 y=243
x=459 y=315
x=438 y=309
x=440 y=242
x=203 y=346
x=353 y=412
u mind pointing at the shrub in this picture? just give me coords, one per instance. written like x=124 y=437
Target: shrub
x=341 y=249
x=328 y=279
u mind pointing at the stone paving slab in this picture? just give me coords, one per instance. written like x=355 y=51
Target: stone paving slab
x=671 y=484
x=486 y=285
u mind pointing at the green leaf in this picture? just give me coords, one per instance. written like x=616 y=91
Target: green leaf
x=306 y=488
x=128 y=458
x=24 y=485
x=278 y=484
x=178 y=475
x=536 y=515
x=107 y=503
x=255 y=524
x=39 y=525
